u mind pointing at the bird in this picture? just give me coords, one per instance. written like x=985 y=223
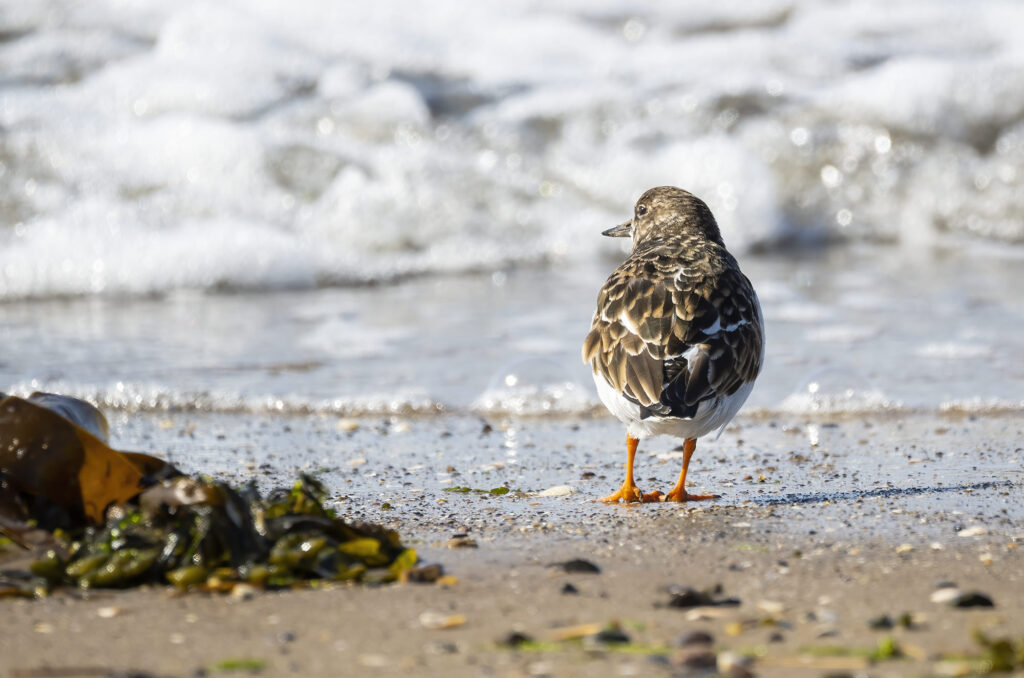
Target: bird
x=677 y=338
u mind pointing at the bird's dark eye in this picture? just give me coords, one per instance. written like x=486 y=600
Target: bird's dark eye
x=641 y=210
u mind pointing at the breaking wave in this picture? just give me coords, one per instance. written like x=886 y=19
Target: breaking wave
x=271 y=145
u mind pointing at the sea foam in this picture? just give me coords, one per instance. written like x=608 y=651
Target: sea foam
x=152 y=146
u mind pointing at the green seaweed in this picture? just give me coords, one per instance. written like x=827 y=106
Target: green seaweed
x=239 y=664
x=1001 y=655
x=887 y=648
x=495 y=491
x=204 y=533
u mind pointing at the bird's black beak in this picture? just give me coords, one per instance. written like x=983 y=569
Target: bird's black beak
x=621 y=231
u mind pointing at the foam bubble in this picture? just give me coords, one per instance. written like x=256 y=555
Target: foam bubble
x=532 y=387
x=980 y=405
x=837 y=391
x=107 y=253
x=152 y=397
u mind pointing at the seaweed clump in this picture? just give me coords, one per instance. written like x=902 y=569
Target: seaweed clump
x=205 y=534
x=96 y=517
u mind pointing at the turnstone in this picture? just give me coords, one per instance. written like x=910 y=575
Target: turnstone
x=678 y=336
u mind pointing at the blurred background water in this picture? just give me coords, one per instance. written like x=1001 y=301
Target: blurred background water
x=373 y=208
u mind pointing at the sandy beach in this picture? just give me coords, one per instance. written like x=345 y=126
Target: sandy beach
x=814 y=544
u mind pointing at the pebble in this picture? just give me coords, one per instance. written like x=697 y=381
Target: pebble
x=436 y=620
x=570 y=590
x=772 y=607
x=972 y=599
x=347 y=425
x=515 y=639
x=461 y=543
x=686 y=598
x=706 y=614
x=108 y=612
x=975 y=531
x=424 y=574
x=608 y=636
x=945 y=595
x=695 y=638
x=243 y=592
x=558 y=491
x=881 y=622
x=695 y=658
x=578 y=565
x=733 y=663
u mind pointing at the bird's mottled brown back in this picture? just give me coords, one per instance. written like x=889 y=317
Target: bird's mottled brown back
x=676 y=324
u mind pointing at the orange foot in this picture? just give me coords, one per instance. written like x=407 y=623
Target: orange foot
x=683 y=495
x=631 y=493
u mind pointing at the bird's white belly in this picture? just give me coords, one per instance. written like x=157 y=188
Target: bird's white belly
x=711 y=414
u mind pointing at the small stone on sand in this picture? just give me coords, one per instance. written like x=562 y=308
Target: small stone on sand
x=558 y=491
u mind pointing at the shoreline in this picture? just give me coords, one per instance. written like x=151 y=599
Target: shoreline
x=862 y=524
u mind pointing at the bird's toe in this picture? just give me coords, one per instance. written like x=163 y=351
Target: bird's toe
x=682 y=495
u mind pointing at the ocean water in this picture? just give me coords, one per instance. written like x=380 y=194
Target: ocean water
x=317 y=207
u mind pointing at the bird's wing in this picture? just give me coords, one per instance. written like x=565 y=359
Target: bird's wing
x=724 y=344
x=670 y=342
x=633 y=321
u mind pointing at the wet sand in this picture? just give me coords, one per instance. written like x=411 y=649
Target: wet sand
x=823 y=525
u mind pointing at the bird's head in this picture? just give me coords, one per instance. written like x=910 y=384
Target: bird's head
x=668 y=211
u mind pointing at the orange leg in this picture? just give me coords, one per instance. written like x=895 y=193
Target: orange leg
x=679 y=493
x=629 y=491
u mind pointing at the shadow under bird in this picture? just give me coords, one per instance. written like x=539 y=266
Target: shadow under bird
x=677 y=339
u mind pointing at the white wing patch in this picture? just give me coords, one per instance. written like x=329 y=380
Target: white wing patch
x=740 y=323
x=716 y=327
x=625 y=320
x=691 y=353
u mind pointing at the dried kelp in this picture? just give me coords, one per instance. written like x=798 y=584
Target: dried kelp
x=56 y=469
